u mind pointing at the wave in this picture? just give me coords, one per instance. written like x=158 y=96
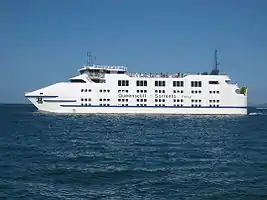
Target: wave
x=261 y=108
x=257 y=113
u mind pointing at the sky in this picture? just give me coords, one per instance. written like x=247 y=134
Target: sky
x=44 y=42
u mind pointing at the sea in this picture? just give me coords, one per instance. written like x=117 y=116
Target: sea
x=57 y=156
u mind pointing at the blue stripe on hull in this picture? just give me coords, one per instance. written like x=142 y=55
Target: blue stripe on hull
x=75 y=106
x=36 y=96
x=58 y=100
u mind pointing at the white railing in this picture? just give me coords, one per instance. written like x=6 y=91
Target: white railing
x=110 y=67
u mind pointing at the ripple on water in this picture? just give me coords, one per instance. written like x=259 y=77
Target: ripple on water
x=52 y=156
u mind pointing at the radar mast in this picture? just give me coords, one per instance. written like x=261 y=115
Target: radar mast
x=215 y=70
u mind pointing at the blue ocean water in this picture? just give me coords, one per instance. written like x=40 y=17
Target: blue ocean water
x=52 y=156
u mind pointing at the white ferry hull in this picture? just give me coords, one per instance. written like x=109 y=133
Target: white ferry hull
x=72 y=109
x=110 y=89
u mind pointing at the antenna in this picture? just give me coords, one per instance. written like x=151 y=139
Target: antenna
x=89 y=60
x=215 y=64
x=215 y=70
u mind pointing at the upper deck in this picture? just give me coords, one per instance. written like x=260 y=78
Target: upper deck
x=103 y=68
x=98 y=73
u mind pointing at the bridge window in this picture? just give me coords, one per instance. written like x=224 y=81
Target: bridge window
x=214 y=82
x=77 y=81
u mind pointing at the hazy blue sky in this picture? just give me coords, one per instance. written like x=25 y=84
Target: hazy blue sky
x=44 y=42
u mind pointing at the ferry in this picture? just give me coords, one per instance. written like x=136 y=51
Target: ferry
x=111 y=89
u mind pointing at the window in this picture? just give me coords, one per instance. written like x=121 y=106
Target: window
x=195 y=91
x=120 y=100
x=159 y=91
x=101 y=100
x=141 y=83
x=214 y=92
x=178 y=84
x=196 y=84
x=160 y=83
x=196 y=100
x=214 y=82
x=141 y=100
x=123 y=82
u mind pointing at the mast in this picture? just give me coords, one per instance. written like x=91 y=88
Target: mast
x=89 y=60
x=215 y=70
